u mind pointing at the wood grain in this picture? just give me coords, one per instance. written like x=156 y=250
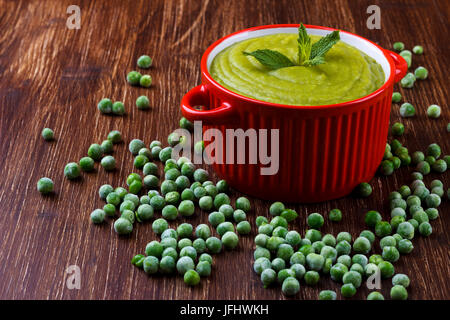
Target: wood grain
x=54 y=77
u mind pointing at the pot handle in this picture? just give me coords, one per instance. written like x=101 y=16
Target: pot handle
x=401 y=67
x=199 y=96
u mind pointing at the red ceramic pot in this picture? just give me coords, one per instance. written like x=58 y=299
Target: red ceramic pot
x=324 y=151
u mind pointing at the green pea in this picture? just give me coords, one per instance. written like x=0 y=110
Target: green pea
x=110 y=209
x=108 y=163
x=222 y=186
x=337 y=271
x=383 y=228
x=145 y=81
x=230 y=240
x=260 y=220
x=386 y=167
x=186 y=124
x=375 y=259
x=115 y=136
x=311 y=277
x=98 y=216
x=205 y=203
x=142 y=102
x=434 y=111
x=123 y=226
x=344 y=236
x=352 y=277
x=150 y=169
x=396 y=97
x=315 y=261
x=409 y=79
x=243 y=204
x=425 y=229
x=401 y=279
x=268 y=277
x=165 y=154
x=375 y=295
x=48 y=134
x=243 y=227
x=434 y=150
x=398 y=46
x=167 y=265
x=343 y=247
x=439 y=166
x=417 y=50
x=138 y=260
x=386 y=269
x=399 y=292
x=168 y=186
x=95 y=151
x=144 y=212
x=144 y=62
x=368 y=235
x=188 y=251
x=104 y=190
x=45 y=185
x=215 y=218
x=315 y=220
x=421 y=73
x=203 y=268
x=133 y=78
x=276 y=208
x=407 y=110
x=372 y=218
x=72 y=170
x=390 y=253
x=361 y=245
x=202 y=231
x=118 y=108
x=363 y=190
x=185 y=264
x=290 y=286
x=186 y=208
x=221 y=199
x=113 y=198
x=284 y=274
x=159 y=225
x=398 y=129
x=432 y=213
x=105 y=105
x=214 y=245
x=224 y=227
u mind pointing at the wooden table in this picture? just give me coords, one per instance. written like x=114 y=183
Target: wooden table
x=53 y=77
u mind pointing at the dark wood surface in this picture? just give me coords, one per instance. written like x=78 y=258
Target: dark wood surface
x=53 y=77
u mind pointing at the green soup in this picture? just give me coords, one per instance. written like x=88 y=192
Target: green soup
x=347 y=74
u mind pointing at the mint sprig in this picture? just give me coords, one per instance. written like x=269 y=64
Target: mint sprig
x=308 y=54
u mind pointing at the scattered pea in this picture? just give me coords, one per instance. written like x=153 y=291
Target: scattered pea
x=72 y=170
x=407 y=110
x=417 y=50
x=434 y=111
x=142 y=102
x=133 y=78
x=48 y=134
x=45 y=185
x=105 y=105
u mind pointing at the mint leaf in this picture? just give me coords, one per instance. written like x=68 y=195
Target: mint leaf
x=324 y=44
x=304 y=45
x=271 y=59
